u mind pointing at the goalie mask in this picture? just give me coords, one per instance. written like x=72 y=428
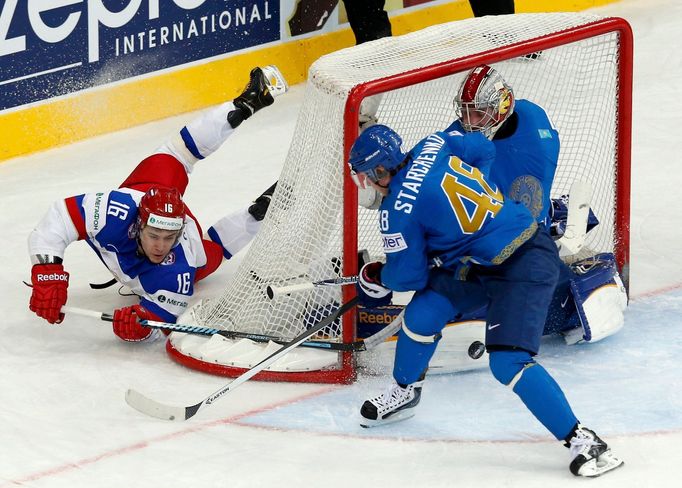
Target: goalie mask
x=162 y=208
x=484 y=101
x=376 y=153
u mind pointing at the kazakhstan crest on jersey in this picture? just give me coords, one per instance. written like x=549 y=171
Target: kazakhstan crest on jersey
x=527 y=189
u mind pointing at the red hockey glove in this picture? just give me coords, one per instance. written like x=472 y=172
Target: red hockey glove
x=126 y=325
x=370 y=280
x=50 y=283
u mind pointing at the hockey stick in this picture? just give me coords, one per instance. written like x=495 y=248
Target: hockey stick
x=229 y=334
x=578 y=213
x=274 y=291
x=357 y=346
x=106 y=317
x=162 y=411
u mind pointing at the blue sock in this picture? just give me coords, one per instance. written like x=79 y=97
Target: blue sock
x=536 y=388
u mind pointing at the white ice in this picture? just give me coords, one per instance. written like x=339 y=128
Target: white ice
x=63 y=421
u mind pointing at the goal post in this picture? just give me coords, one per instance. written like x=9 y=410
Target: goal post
x=577 y=66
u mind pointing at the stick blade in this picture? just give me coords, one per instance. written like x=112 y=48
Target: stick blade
x=152 y=408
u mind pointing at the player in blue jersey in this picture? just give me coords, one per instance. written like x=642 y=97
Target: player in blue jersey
x=439 y=213
x=143 y=232
x=526 y=158
x=526 y=142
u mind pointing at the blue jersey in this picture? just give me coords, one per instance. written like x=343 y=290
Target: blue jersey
x=526 y=161
x=441 y=210
x=108 y=222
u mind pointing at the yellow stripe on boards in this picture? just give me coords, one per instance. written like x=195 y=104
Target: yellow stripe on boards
x=128 y=103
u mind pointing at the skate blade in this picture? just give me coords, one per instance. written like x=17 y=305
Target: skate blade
x=397 y=417
x=275 y=81
x=597 y=467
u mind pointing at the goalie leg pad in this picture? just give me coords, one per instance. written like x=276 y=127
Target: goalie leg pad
x=425 y=317
x=536 y=388
x=600 y=299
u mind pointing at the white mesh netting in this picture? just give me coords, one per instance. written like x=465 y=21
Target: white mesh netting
x=302 y=235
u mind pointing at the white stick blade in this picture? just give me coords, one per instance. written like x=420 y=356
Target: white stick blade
x=153 y=408
x=275 y=291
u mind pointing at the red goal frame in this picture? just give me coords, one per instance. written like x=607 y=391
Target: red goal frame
x=567 y=36
x=346 y=371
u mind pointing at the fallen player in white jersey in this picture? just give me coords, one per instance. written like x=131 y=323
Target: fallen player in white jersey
x=143 y=231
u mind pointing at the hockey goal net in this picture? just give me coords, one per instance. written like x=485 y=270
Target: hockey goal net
x=577 y=66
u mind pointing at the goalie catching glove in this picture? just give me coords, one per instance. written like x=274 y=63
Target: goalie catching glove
x=371 y=291
x=50 y=283
x=127 y=326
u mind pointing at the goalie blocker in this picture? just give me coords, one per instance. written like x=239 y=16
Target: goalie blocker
x=590 y=297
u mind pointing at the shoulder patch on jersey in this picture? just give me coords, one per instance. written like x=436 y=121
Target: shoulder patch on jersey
x=394 y=242
x=545 y=133
x=132 y=231
x=169 y=259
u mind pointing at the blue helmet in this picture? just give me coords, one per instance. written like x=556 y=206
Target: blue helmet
x=378 y=145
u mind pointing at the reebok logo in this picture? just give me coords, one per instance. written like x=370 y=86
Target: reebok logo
x=52 y=277
x=375 y=318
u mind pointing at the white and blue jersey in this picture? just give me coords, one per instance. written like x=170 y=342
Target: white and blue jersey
x=441 y=210
x=107 y=222
x=526 y=161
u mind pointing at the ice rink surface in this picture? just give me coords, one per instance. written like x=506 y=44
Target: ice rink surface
x=63 y=421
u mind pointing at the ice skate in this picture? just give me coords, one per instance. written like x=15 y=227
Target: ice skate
x=396 y=403
x=264 y=85
x=260 y=206
x=590 y=456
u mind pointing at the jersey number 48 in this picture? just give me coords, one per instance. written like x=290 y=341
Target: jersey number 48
x=471 y=197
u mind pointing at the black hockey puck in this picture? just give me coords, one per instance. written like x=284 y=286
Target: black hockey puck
x=269 y=292
x=476 y=350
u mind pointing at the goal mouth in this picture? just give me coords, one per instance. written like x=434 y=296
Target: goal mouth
x=577 y=66
x=228 y=357
x=233 y=356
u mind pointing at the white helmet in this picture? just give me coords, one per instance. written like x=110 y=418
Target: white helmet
x=484 y=101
